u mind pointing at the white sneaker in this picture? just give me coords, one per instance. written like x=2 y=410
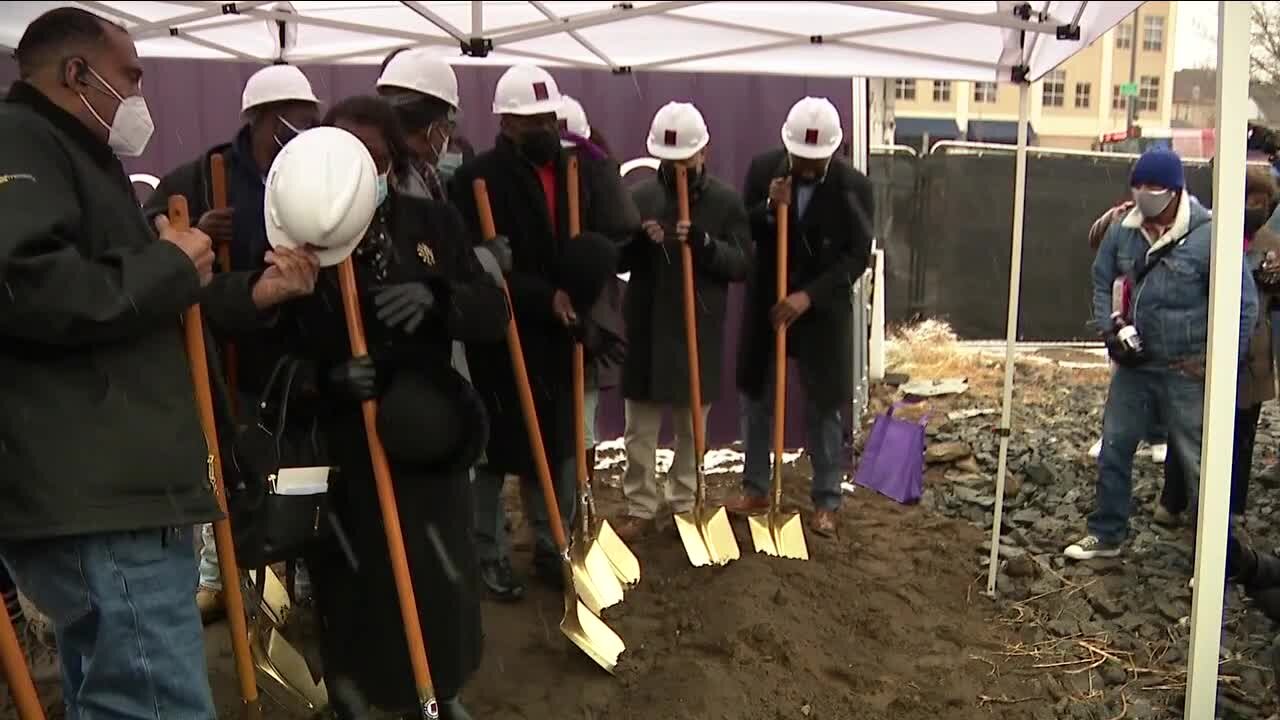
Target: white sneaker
x=1090 y=547
x=1159 y=453
x=1096 y=450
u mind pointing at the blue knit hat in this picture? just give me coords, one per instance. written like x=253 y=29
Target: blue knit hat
x=1158 y=167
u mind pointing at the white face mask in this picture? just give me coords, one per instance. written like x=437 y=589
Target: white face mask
x=130 y=130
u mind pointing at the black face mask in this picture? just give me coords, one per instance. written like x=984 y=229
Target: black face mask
x=540 y=147
x=667 y=174
x=1255 y=218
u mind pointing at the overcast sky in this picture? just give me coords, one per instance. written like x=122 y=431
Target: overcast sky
x=1197 y=26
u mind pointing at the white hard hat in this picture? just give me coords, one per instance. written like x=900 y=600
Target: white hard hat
x=277 y=83
x=322 y=192
x=573 y=119
x=526 y=90
x=422 y=71
x=812 y=129
x=678 y=132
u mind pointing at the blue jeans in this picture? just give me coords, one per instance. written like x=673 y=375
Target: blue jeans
x=493 y=542
x=130 y=643
x=1139 y=399
x=824 y=435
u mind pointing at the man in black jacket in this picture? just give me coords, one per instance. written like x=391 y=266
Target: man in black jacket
x=104 y=465
x=554 y=282
x=830 y=207
x=655 y=375
x=276 y=105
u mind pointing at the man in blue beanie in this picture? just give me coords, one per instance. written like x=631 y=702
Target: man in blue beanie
x=1151 y=305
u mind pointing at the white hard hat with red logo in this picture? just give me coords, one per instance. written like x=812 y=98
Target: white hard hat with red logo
x=277 y=83
x=678 y=132
x=321 y=192
x=812 y=129
x=573 y=119
x=424 y=72
x=526 y=90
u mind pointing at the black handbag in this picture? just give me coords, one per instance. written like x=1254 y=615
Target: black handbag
x=267 y=526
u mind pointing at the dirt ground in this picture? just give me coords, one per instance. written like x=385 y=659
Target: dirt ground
x=886 y=621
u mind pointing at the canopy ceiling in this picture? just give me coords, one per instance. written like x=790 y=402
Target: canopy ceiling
x=977 y=40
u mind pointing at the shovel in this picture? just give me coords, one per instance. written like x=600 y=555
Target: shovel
x=16 y=673
x=237 y=620
x=218 y=183
x=778 y=533
x=580 y=624
x=707 y=535
x=427 y=703
x=585 y=553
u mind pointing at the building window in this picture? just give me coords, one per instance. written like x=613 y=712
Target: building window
x=1124 y=36
x=1149 y=93
x=1153 y=33
x=941 y=91
x=984 y=92
x=904 y=89
x=1054 y=92
x=1118 y=101
x=1083 y=91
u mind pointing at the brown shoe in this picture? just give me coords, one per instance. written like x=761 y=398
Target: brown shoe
x=823 y=522
x=212 y=609
x=630 y=528
x=747 y=505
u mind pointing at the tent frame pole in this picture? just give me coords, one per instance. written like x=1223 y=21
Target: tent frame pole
x=1011 y=327
x=1226 y=268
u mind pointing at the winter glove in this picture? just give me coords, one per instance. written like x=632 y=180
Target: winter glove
x=500 y=248
x=403 y=305
x=356 y=378
x=1123 y=356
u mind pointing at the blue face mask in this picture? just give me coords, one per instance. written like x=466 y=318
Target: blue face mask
x=448 y=164
x=381 y=194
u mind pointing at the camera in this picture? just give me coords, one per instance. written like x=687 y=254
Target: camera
x=1127 y=334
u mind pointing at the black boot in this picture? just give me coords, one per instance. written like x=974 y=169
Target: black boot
x=346 y=702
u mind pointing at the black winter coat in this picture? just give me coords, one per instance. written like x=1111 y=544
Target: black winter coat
x=520 y=213
x=657 y=366
x=364 y=635
x=258 y=351
x=98 y=426
x=828 y=250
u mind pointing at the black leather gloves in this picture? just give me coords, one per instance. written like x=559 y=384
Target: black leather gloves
x=356 y=378
x=403 y=305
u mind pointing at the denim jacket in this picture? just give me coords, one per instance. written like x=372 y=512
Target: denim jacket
x=1170 y=306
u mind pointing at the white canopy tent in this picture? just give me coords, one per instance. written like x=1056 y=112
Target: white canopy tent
x=975 y=40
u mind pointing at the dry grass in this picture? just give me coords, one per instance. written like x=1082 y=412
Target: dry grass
x=930 y=350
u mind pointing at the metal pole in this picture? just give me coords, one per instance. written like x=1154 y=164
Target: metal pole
x=1226 y=267
x=1011 y=332
x=1133 y=73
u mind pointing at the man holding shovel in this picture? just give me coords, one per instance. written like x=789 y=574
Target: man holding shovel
x=105 y=464
x=554 y=282
x=831 y=206
x=655 y=375
x=276 y=105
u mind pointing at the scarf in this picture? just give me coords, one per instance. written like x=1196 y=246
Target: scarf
x=588 y=148
x=246 y=192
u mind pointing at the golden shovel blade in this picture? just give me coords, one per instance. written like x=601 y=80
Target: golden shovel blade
x=287 y=677
x=625 y=564
x=586 y=630
x=593 y=576
x=708 y=537
x=779 y=534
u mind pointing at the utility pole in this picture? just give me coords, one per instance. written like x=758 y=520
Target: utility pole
x=1133 y=72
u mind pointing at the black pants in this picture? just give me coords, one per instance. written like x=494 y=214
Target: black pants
x=1174 y=495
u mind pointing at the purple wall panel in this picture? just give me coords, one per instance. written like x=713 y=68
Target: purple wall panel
x=196 y=105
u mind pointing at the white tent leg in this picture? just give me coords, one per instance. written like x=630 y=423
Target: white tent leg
x=1220 y=378
x=1011 y=337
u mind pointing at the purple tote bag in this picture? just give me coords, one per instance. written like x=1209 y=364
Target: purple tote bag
x=892 y=463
